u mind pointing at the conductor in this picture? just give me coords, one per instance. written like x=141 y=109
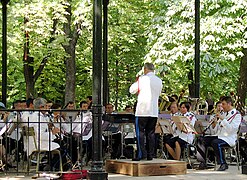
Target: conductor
x=148 y=87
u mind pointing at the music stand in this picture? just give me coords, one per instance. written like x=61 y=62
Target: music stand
x=164 y=127
x=199 y=127
x=183 y=124
x=121 y=120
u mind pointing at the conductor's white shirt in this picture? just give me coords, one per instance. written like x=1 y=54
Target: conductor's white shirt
x=149 y=88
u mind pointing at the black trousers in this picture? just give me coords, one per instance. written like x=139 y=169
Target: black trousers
x=145 y=128
x=217 y=145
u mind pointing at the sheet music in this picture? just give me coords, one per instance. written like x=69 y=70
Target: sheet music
x=165 y=126
x=183 y=124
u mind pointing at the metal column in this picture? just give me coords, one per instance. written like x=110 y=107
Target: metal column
x=4 y=51
x=97 y=172
x=105 y=55
x=197 y=48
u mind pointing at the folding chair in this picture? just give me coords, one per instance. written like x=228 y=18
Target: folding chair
x=29 y=132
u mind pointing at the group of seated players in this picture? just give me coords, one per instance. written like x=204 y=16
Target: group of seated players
x=70 y=131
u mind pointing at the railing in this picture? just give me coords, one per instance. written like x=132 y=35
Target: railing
x=44 y=138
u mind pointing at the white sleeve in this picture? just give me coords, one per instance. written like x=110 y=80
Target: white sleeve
x=134 y=88
x=234 y=125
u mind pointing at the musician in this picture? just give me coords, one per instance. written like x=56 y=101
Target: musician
x=14 y=139
x=148 y=87
x=44 y=137
x=174 y=112
x=128 y=109
x=70 y=115
x=57 y=120
x=113 y=139
x=109 y=109
x=166 y=137
x=181 y=139
x=3 y=120
x=212 y=129
x=84 y=119
x=226 y=134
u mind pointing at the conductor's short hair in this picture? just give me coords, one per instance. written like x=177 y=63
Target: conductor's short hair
x=149 y=66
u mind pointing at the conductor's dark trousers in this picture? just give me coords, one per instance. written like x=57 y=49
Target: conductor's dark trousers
x=145 y=127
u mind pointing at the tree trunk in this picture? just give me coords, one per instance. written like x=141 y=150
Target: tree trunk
x=242 y=84
x=192 y=84
x=70 y=59
x=28 y=66
x=30 y=76
x=117 y=85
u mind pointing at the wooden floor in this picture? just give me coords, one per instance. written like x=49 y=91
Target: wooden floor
x=155 y=167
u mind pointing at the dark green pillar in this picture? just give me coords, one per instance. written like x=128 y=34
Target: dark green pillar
x=105 y=54
x=97 y=172
x=4 y=51
x=197 y=48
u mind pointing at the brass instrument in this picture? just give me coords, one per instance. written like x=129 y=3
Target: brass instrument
x=202 y=107
x=165 y=102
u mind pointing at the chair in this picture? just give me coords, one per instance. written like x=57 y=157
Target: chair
x=209 y=148
x=190 y=148
x=227 y=151
x=29 y=132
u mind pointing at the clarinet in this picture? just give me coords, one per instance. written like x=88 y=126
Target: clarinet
x=214 y=120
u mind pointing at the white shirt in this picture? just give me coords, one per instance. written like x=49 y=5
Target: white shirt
x=188 y=137
x=149 y=87
x=228 y=127
x=42 y=135
x=81 y=122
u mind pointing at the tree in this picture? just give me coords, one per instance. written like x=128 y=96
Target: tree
x=128 y=21
x=172 y=44
x=28 y=60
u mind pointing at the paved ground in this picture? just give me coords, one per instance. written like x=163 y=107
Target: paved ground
x=231 y=174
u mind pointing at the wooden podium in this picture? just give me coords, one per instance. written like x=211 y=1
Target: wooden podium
x=156 y=167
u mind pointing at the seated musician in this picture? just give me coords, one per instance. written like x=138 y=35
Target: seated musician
x=70 y=115
x=166 y=137
x=12 y=138
x=180 y=139
x=68 y=145
x=57 y=120
x=174 y=112
x=3 y=120
x=114 y=141
x=128 y=109
x=43 y=135
x=228 y=124
x=210 y=130
x=79 y=128
x=213 y=128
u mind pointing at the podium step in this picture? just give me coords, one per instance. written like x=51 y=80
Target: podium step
x=155 y=167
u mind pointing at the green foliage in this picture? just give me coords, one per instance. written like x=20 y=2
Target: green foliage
x=171 y=39
x=144 y=30
x=128 y=22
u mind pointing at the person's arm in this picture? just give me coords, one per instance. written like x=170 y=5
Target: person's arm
x=134 y=88
x=231 y=125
